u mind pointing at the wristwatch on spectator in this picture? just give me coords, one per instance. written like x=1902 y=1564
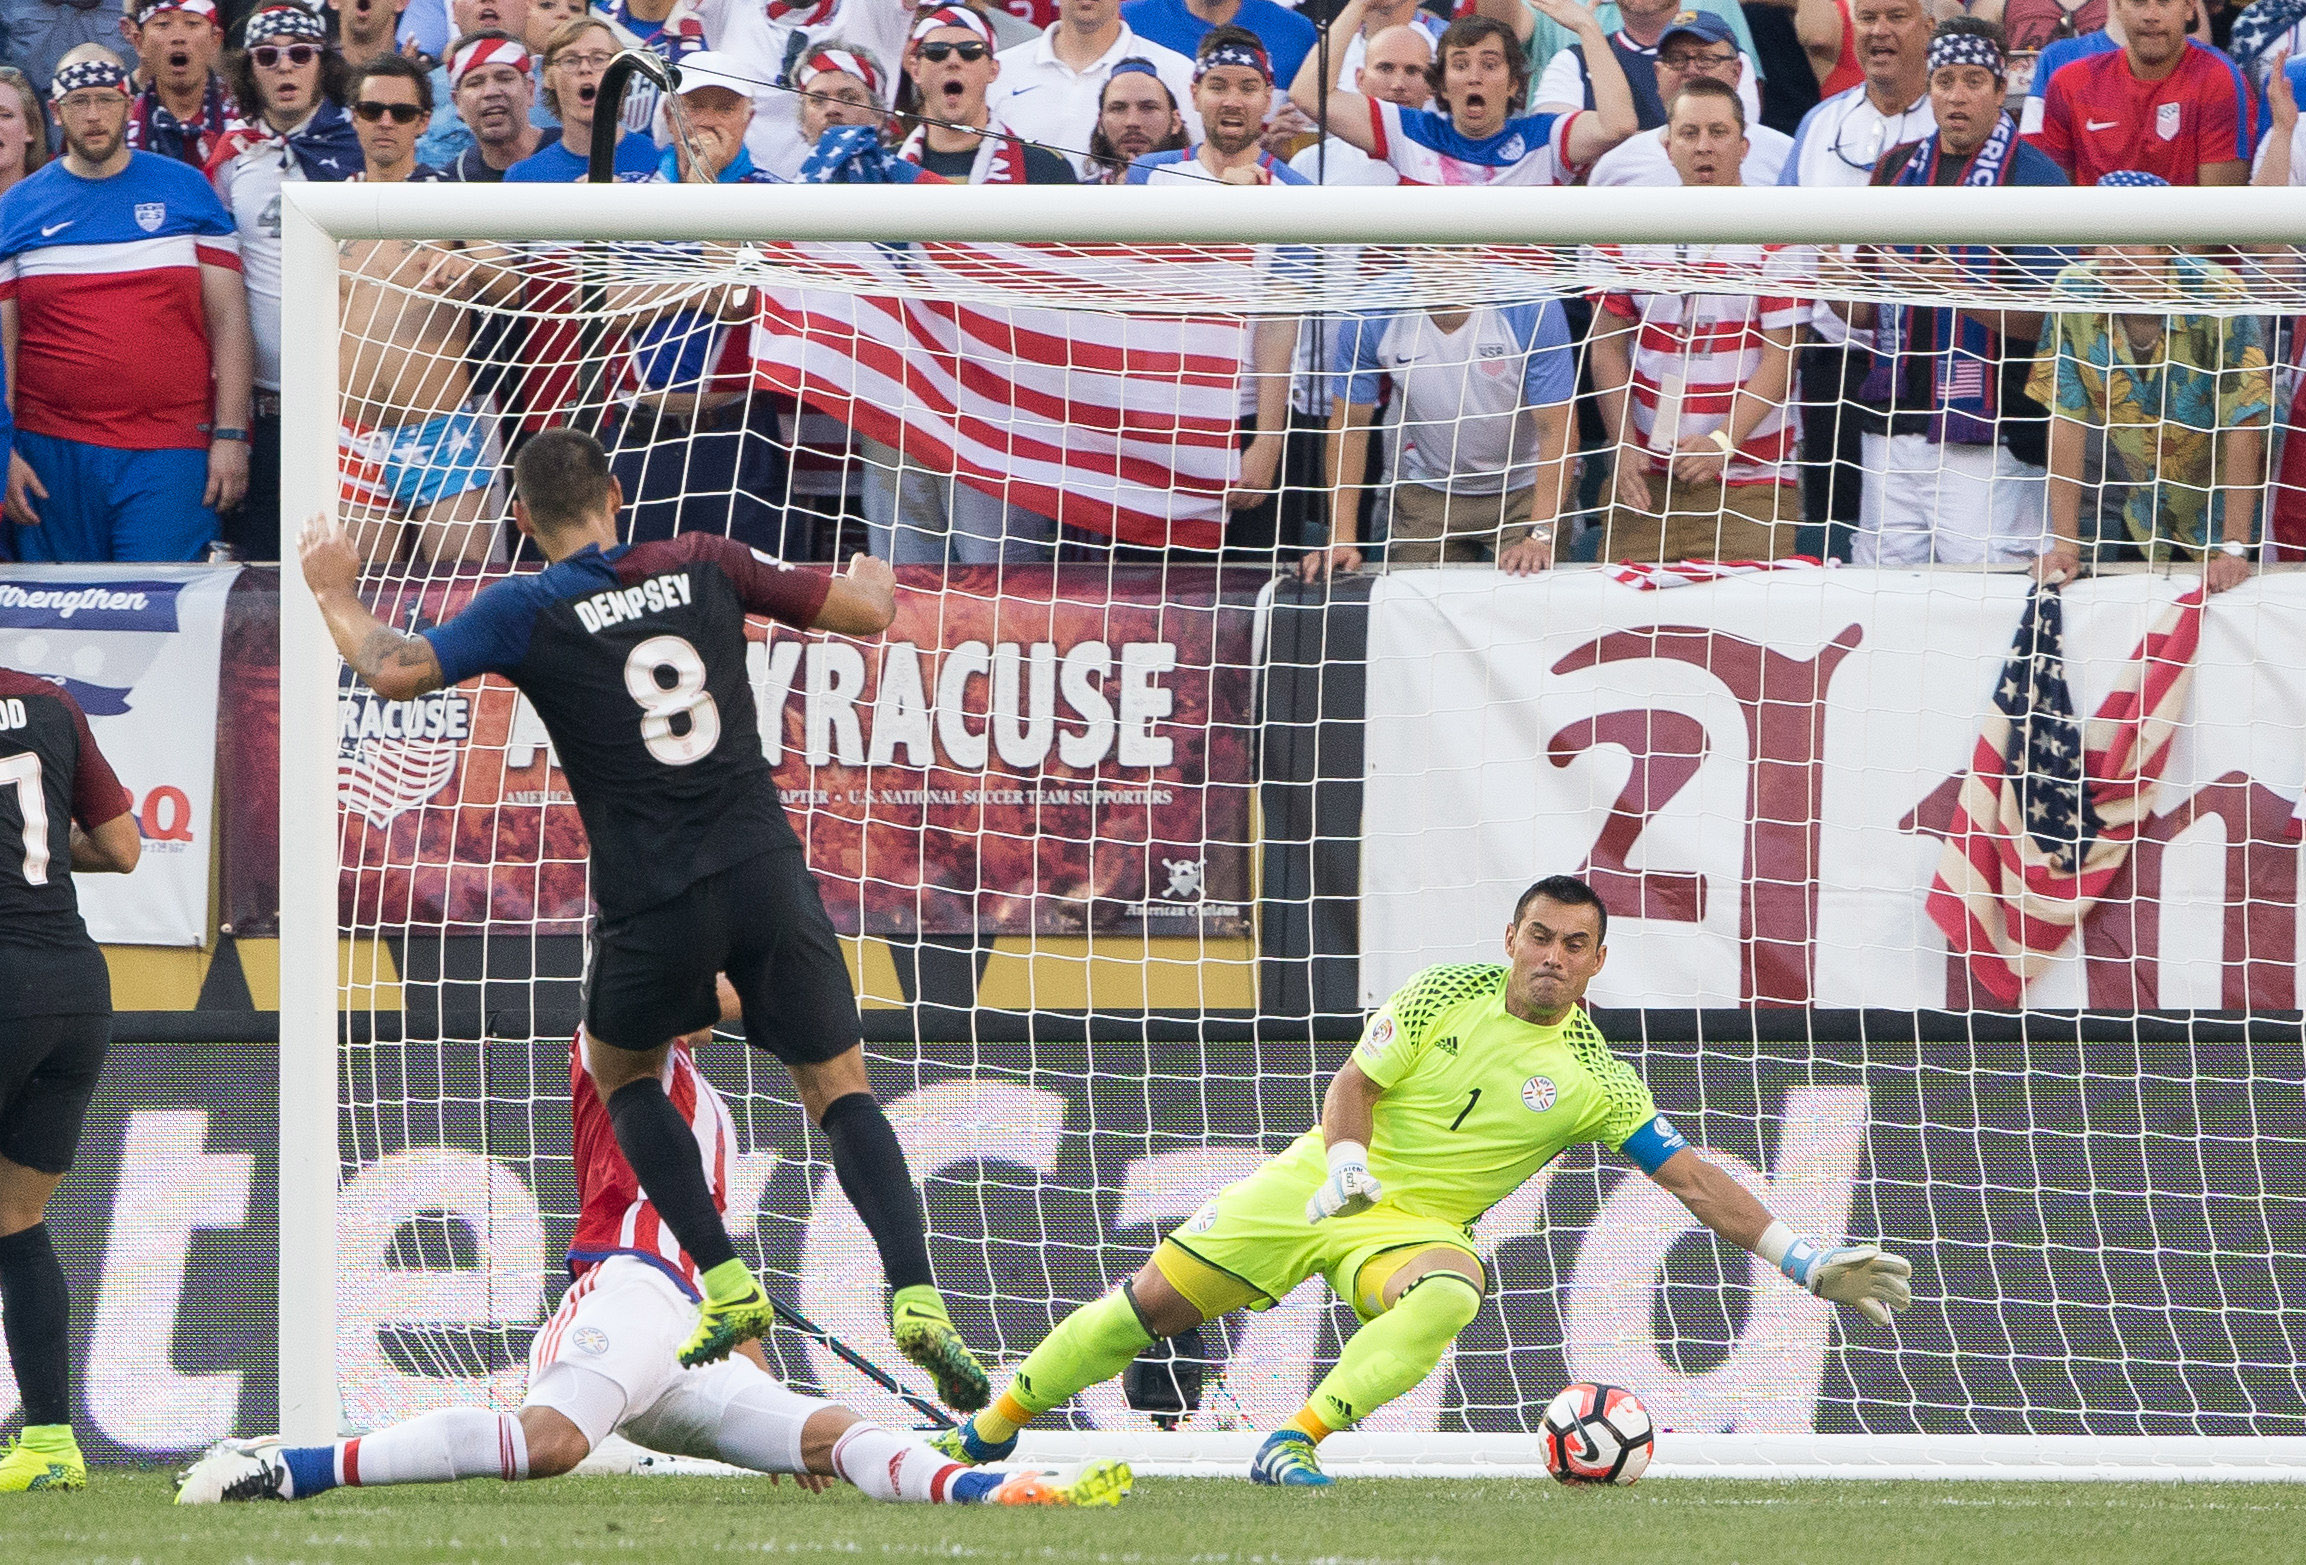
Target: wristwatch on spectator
x=2235 y=547
x=240 y=435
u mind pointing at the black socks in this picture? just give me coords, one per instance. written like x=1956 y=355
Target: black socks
x=37 y=1315
x=871 y=1168
x=659 y=1145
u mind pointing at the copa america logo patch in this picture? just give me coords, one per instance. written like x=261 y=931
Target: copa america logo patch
x=589 y=1340
x=392 y=756
x=1537 y=1094
x=1203 y=1220
x=150 y=215
x=1381 y=1035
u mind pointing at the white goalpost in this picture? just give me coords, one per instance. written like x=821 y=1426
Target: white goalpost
x=1120 y=846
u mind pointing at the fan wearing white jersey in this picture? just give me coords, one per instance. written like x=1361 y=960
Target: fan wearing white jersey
x=1481 y=80
x=608 y=1362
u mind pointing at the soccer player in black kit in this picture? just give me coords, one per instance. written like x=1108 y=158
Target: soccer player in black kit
x=634 y=656
x=61 y=809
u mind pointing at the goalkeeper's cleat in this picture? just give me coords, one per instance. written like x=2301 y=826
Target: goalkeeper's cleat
x=925 y=1335
x=721 y=1326
x=51 y=1463
x=1090 y=1484
x=236 y=1470
x=1289 y=1458
x=963 y=1444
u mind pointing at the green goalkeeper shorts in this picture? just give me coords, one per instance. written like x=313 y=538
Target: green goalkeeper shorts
x=1254 y=1235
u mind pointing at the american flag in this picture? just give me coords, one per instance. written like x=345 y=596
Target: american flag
x=1117 y=425
x=2050 y=806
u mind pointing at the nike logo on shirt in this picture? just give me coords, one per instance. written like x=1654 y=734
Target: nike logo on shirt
x=2100 y=124
x=47 y=229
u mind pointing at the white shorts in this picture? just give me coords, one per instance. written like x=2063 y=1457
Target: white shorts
x=608 y=1361
x=1924 y=503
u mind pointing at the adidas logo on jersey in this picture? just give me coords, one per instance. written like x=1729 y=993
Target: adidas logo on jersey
x=658 y=593
x=1446 y=1045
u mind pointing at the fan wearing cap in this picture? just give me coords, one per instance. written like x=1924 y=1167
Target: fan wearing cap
x=1050 y=89
x=839 y=85
x=574 y=61
x=952 y=64
x=294 y=81
x=1637 y=44
x=1697 y=46
x=186 y=107
x=2178 y=403
x=1953 y=465
x=491 y=91
x=1137 y=115
x=127 y=326
x=716 y=109
x=1479 y=138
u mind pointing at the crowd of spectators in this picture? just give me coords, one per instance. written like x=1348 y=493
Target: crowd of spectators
x=143 y=157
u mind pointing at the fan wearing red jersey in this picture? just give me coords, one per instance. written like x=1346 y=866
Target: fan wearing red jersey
x=634 y=657
x=2155 y=105
x=608 y=1362
x=61 y=810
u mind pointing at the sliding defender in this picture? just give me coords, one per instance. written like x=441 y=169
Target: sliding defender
x=1465 y=1084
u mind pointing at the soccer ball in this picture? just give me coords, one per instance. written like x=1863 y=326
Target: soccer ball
x=1597 y=1434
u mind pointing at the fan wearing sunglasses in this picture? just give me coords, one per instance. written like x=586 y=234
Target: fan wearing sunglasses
x=391 y=101
x=294 y=82
x=952 y=65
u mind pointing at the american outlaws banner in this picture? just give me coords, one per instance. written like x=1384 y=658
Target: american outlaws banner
x=1760 y=775
x=137 y=647
x=1025 y=751
x=1118 y=425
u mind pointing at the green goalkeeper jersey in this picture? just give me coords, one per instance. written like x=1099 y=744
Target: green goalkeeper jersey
x=1477 y=1100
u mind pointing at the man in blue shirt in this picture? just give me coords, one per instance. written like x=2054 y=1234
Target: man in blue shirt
x=1182 y=24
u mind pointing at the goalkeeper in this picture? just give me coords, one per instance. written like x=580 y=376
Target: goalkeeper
x=1467 y=1082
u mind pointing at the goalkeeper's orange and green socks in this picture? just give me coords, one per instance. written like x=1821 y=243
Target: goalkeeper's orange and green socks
x=1384 y=1359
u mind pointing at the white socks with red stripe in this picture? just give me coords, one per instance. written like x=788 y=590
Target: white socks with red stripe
x=459 y=1442
x=890 y=1466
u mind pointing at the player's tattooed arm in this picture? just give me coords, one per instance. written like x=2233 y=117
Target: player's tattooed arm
x=397 y=666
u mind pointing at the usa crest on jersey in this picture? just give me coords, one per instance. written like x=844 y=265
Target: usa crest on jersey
x=2166 y=117
x=150 y=215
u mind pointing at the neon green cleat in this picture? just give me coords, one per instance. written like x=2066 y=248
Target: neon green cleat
x=721 y=1326
x=925 y=1334
x=42 y=1461
x=963 y=1444
x=1091 y=1484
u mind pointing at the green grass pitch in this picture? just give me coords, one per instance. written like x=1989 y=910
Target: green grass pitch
x=126 y=1517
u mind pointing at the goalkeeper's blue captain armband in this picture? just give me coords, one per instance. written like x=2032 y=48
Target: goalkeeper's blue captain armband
x=1651 y=1145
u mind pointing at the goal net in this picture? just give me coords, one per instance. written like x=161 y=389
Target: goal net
x=1945 y=910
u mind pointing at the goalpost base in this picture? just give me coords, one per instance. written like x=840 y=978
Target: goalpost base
x=2062 y=1458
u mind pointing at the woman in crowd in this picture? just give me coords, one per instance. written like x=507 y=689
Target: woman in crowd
x=575 y=58
x=23 y=127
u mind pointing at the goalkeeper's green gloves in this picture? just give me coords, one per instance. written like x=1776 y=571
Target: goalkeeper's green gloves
x=1350 y=1188
x=1863 y=1276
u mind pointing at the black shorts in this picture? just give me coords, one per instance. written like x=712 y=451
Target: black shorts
x=762 y=922
x=48 y=1069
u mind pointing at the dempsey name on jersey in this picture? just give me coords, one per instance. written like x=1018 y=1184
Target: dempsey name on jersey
x=654 y=596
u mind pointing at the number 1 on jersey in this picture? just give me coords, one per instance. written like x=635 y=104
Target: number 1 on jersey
x=23 y=773
x=1471 y=1099
x=660 y=706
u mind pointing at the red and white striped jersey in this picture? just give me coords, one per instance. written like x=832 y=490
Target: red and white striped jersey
x=614 y=1217
x=1693 y=351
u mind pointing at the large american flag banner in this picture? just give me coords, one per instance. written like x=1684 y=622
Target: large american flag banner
x=2050 y=807
x=1118 y=424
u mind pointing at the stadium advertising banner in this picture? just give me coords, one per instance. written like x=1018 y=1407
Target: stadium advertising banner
x=1028 y=751
x=138 y=648
x=1761 y=776
x=2131 y=1273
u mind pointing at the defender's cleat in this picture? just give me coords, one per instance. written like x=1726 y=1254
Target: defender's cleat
x=720 y=1327
x=1090 y=1484
x=1288 y=1458
x=24 y=1468
x=235 y=1470
x=963 y=1444
x=926 y=1337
